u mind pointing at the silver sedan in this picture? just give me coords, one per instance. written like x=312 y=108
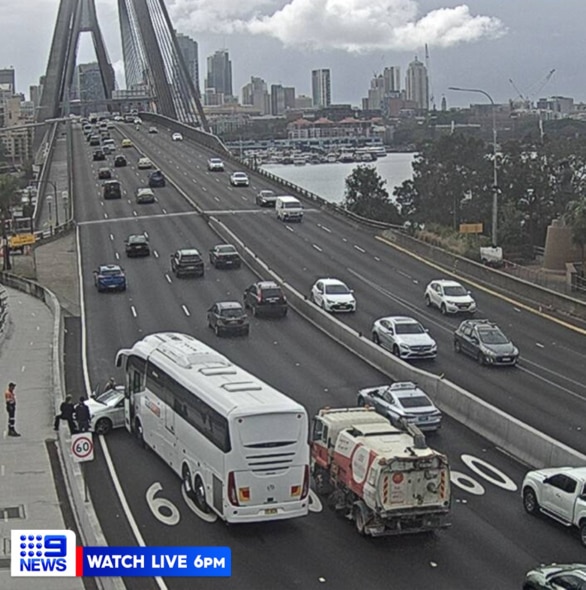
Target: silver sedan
x=405 y=337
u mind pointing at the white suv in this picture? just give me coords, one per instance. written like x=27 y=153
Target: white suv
x=449 y=297
x=215 y=165
x=333 y=295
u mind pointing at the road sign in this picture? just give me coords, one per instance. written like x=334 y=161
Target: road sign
x=22 y=240
x=82 y=447
x=471 y=228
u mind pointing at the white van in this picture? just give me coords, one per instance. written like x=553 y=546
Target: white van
x=289 y=208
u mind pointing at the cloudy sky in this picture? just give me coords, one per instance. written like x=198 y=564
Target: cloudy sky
x=477 y=44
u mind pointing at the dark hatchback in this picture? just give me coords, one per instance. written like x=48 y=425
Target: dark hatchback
x=484 y=341
x=228 y=317
x=99 y=155
x=266 y=298
x=120 y=161
x=187 y=261
x=157 y=179
x=225 y=256
x=111 y=189
x=137 y=245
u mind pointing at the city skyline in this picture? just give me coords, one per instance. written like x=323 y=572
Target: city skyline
x=476 y=45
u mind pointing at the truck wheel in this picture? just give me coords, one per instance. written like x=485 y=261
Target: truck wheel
x=322 y=482
x=359 y=516
x=530 y=502
x=583 y=532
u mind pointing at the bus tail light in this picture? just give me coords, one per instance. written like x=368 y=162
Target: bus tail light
x=295 y=491
x=232 y=489
x=244 y=494
x=305 y=489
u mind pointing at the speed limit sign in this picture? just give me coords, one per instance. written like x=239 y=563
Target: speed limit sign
x=82 y=447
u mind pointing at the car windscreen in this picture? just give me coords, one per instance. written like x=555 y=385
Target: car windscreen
x=271 y=293
x=270 y=430
x=416 y=401
x=455 y=291
x=337 y=290
x=105 y=397
x=231 y=313
x=412 y=328
x=110 y=272
x=226 y=249
x=492 y=337
x=292 y=205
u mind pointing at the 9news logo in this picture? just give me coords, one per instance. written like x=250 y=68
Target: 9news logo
x=42 y=553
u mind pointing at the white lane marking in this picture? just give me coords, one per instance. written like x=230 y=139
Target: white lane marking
x=289 y=228
x=105 y=216
x=204 y=189
x=548 y=381
x=129 y=516
x=466 y=483
x=135 y=213
x=539 y=345
x=316 y=247
x=112 y=237
x=185 y=310
x=168 y=278
x=155 y=254
x=377 y=258
x=133 y=310
x=163 y=509
x=325 y=228
x=164 y=211
x=500 y=479
x=359 y=249
x=146 y=234
x=117 y=256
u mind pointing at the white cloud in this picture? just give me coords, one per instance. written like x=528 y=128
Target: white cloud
x=354 y=26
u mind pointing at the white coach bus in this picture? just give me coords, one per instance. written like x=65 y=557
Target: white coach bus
x=240 y=446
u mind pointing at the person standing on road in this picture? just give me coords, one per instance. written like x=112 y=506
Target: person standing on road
x=66 y=411
x=82 y=415
x=10 y=399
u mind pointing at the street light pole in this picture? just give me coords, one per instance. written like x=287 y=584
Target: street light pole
x=495 y=189
x=49 y=200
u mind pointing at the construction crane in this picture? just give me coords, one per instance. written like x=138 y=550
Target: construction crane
x=534 y=90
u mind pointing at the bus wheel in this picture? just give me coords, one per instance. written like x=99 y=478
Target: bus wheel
x=139 y=434
x=199 y=495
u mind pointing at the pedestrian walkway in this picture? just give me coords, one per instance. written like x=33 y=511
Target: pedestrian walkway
x=28 y=495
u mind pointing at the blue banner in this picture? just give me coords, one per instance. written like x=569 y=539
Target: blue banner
x=157 y=561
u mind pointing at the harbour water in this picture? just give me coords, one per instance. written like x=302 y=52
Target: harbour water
x=329 y=180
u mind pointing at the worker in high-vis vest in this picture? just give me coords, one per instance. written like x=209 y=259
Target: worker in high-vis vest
x=10 y=399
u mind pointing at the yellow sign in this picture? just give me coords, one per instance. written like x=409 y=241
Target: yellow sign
x=22 y=240
x=471 y=228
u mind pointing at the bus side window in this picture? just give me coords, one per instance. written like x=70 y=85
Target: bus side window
x=318 y=428
x=136 y=384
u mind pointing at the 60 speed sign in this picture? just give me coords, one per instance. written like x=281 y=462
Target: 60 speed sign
x=82 y=447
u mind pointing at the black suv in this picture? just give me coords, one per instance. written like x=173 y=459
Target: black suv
x=187 y=261
x=111 y=189
x=228 y=317
x=120 y=161
x=225 y=256
x=485 y=342
x=137 y=245
x=267 y=298
x=156 y=179
x=99 y=155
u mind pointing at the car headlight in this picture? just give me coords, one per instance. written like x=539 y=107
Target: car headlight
x=404 y=346
x=488 y=352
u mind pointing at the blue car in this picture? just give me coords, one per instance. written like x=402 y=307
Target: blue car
x=110 y=277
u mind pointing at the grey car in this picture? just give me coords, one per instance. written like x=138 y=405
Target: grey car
x=402 y=401
x=228 y=317
x=486 y=342
x=556 y=576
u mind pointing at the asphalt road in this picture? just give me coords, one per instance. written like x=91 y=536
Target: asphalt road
x=491 y=542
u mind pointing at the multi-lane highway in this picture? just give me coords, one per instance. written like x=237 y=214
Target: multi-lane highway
x=491 y=542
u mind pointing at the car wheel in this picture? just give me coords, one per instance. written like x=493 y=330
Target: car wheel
x=217 y=330
x=396 y=351
x=376 y=338
x=530 y=502
x=457 y=346
x=103 y=426
x=444 y=309
x=480 y=359
x=361 y=402
x=427 y=301
x=247 y=331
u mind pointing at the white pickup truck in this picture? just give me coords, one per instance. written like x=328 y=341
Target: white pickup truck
x=560 y=493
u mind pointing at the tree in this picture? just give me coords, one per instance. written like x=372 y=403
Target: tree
x=367 y=196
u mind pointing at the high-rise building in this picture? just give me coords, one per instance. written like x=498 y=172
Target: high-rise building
x=220 y=73
x=392 y=79
x=417 y=85
x=321 y=88
x=255 y=93
x=87 y=83
x=277 y=99
x=188 y=49
x=303 y=102
x=7 y=80
x=289 y=97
